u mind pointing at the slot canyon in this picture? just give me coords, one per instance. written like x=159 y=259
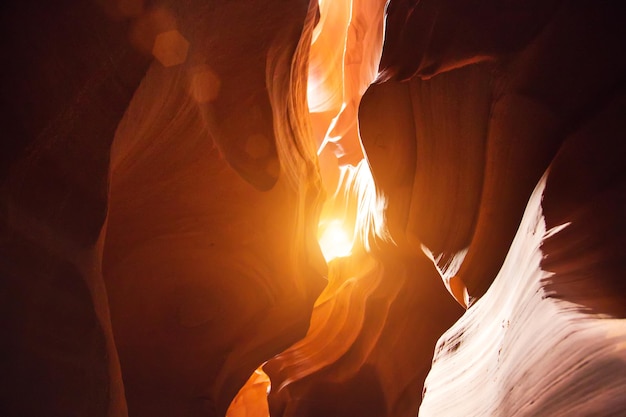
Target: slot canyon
x=313 y=208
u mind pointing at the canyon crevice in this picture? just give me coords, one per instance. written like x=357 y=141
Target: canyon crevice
x=362 y=208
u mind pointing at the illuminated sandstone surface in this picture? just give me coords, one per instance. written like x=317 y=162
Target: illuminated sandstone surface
x=341 y=366
x=521 y=352
x=229 y=280
x=168 y=169
x=547 y=338
x=198 y=300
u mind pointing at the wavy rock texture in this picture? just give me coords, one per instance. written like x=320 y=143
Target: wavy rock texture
x=160 y=196
x=532 y=111
x=211 y=264
x=370 y=308
x=547 y=338
x=375 y=299
x=345 y=51
x=457 y=151
x=210 y=257
x=521 y=352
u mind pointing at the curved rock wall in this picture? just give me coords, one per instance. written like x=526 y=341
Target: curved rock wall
x=68 y=74
x=522 y=352
x=547 y=338
x=210 y=262
x=162 y=179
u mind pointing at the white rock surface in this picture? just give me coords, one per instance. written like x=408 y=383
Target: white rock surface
x=517 y=352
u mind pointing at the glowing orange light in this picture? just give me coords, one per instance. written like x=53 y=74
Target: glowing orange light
x=251 y=401
x=343 y=61
x=335 y=241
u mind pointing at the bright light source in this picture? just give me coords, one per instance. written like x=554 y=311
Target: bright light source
x=334 y=241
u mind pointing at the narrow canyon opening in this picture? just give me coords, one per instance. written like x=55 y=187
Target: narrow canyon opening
x=312 y=208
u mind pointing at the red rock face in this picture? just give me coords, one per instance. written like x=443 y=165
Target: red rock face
x=68 y=75
x=558 y=278
x=197 y=300
x=160 y=196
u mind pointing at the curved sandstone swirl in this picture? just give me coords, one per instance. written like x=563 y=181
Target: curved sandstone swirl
x=457 y=150
x=161 y=186
x=521 y=352
x=481 y=137
x=349 y=362
x=211 y=261
x=375 y=301
x=162 y=211
x=535 y=95
x=545 y=333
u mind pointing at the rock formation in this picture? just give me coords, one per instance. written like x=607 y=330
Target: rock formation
x=168 y=167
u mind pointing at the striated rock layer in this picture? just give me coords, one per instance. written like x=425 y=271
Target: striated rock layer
x=544 y=332
x=521 y=352
x=162 y=174
x=211 y=260
x=457 y=138
x=164 y=211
